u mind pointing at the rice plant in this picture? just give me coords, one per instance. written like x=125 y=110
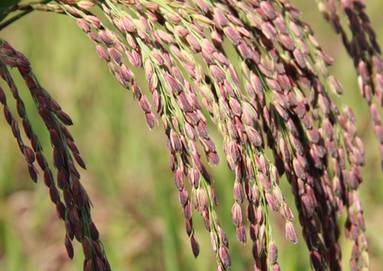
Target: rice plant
x=252 y=68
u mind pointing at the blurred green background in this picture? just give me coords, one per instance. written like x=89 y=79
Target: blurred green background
x=130 y=184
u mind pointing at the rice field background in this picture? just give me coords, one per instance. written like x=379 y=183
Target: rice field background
x=128 y=178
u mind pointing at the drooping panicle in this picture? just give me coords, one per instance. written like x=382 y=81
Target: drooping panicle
x=74 y=209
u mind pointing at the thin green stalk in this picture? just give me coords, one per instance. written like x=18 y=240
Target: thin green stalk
x=26 y=11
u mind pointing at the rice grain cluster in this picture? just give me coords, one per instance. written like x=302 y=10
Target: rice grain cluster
x=256 y=70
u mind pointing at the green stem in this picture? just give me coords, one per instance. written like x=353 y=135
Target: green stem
x=19 y=15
